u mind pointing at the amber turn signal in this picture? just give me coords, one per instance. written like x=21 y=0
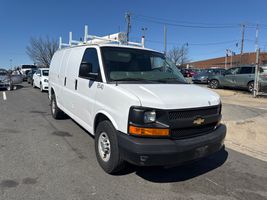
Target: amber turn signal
x=139 y=131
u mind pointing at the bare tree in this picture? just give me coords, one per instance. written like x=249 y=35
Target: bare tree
x=179 y=55
x=41 y=50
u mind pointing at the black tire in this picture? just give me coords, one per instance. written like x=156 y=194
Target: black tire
x=251 y=86
x=9 y=88
x=114 y=163
x=56 y=112
x=214 y=84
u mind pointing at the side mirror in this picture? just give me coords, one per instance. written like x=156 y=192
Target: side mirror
x=86 y=71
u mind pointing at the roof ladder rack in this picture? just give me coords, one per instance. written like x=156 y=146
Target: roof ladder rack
x=119 y=38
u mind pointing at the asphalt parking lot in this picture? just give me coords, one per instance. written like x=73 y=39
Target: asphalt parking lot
x=41 y=158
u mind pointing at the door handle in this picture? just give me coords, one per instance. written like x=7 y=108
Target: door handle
x=76 y=83
x=65 y=81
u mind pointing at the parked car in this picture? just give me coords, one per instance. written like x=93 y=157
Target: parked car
x=187 y=72
x=30 y=76
x=40 y=79
x=205 y=75
x=138 y=105
x=25 y=69
x=8 y=80
x=237 y=77
x=197 y=70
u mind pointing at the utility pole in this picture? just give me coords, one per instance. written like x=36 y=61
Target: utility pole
x=165 y=40
x=242 y=42
x=144 y=29
x=225 y=61
x=257 y=38
x=256 y=79
x=128 y=20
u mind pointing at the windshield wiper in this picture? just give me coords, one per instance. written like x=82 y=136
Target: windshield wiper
x=134 y=79
x=170 y=80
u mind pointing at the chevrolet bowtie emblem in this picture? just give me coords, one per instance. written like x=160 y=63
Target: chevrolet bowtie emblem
x=199 y=121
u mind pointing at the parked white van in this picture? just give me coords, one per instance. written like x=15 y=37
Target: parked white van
x=137 y=105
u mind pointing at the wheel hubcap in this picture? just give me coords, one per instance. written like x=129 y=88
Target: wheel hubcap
x=213 y=84
x=104 y=147
x=251 y=87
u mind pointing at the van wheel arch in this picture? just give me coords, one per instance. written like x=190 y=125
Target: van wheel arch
x=52 y=92
x=99 y=118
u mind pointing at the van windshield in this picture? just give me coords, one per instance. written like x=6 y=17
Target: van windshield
x=136 y=65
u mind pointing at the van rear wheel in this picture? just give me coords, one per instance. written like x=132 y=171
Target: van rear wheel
x=107 y=148
x=56 y=112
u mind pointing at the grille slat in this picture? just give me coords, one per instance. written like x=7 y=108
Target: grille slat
x=185 y=114
x=192 y=132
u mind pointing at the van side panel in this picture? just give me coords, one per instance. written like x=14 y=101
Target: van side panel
x=71 y=74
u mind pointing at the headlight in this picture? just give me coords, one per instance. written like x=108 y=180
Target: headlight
x=149 y=116
x=142 y=116
x=46 y=80
x=143 y=122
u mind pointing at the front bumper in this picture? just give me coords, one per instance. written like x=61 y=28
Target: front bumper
x=160 y=152
x=4 y=85
x=45 y=85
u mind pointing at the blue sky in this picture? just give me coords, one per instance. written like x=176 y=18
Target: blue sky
x=215 y=23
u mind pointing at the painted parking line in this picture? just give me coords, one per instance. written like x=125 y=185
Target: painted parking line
x=263 y=108
x=4 y=96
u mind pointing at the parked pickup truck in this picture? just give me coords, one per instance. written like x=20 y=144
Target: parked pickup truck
x=136 y=103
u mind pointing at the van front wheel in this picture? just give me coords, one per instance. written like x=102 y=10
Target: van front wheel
x=107 y=148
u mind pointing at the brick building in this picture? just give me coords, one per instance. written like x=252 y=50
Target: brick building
x=246 y=58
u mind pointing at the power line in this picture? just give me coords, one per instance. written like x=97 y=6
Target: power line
x=196 y=44
x=183 y=23
x=186 y=22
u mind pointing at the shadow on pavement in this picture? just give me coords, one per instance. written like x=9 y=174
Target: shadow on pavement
x=179 y=173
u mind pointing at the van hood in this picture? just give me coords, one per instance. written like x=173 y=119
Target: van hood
x=172 y=96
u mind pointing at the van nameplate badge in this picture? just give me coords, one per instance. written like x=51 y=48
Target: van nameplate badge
x=99 y=85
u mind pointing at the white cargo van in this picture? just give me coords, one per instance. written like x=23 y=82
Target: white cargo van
x=136 y=103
